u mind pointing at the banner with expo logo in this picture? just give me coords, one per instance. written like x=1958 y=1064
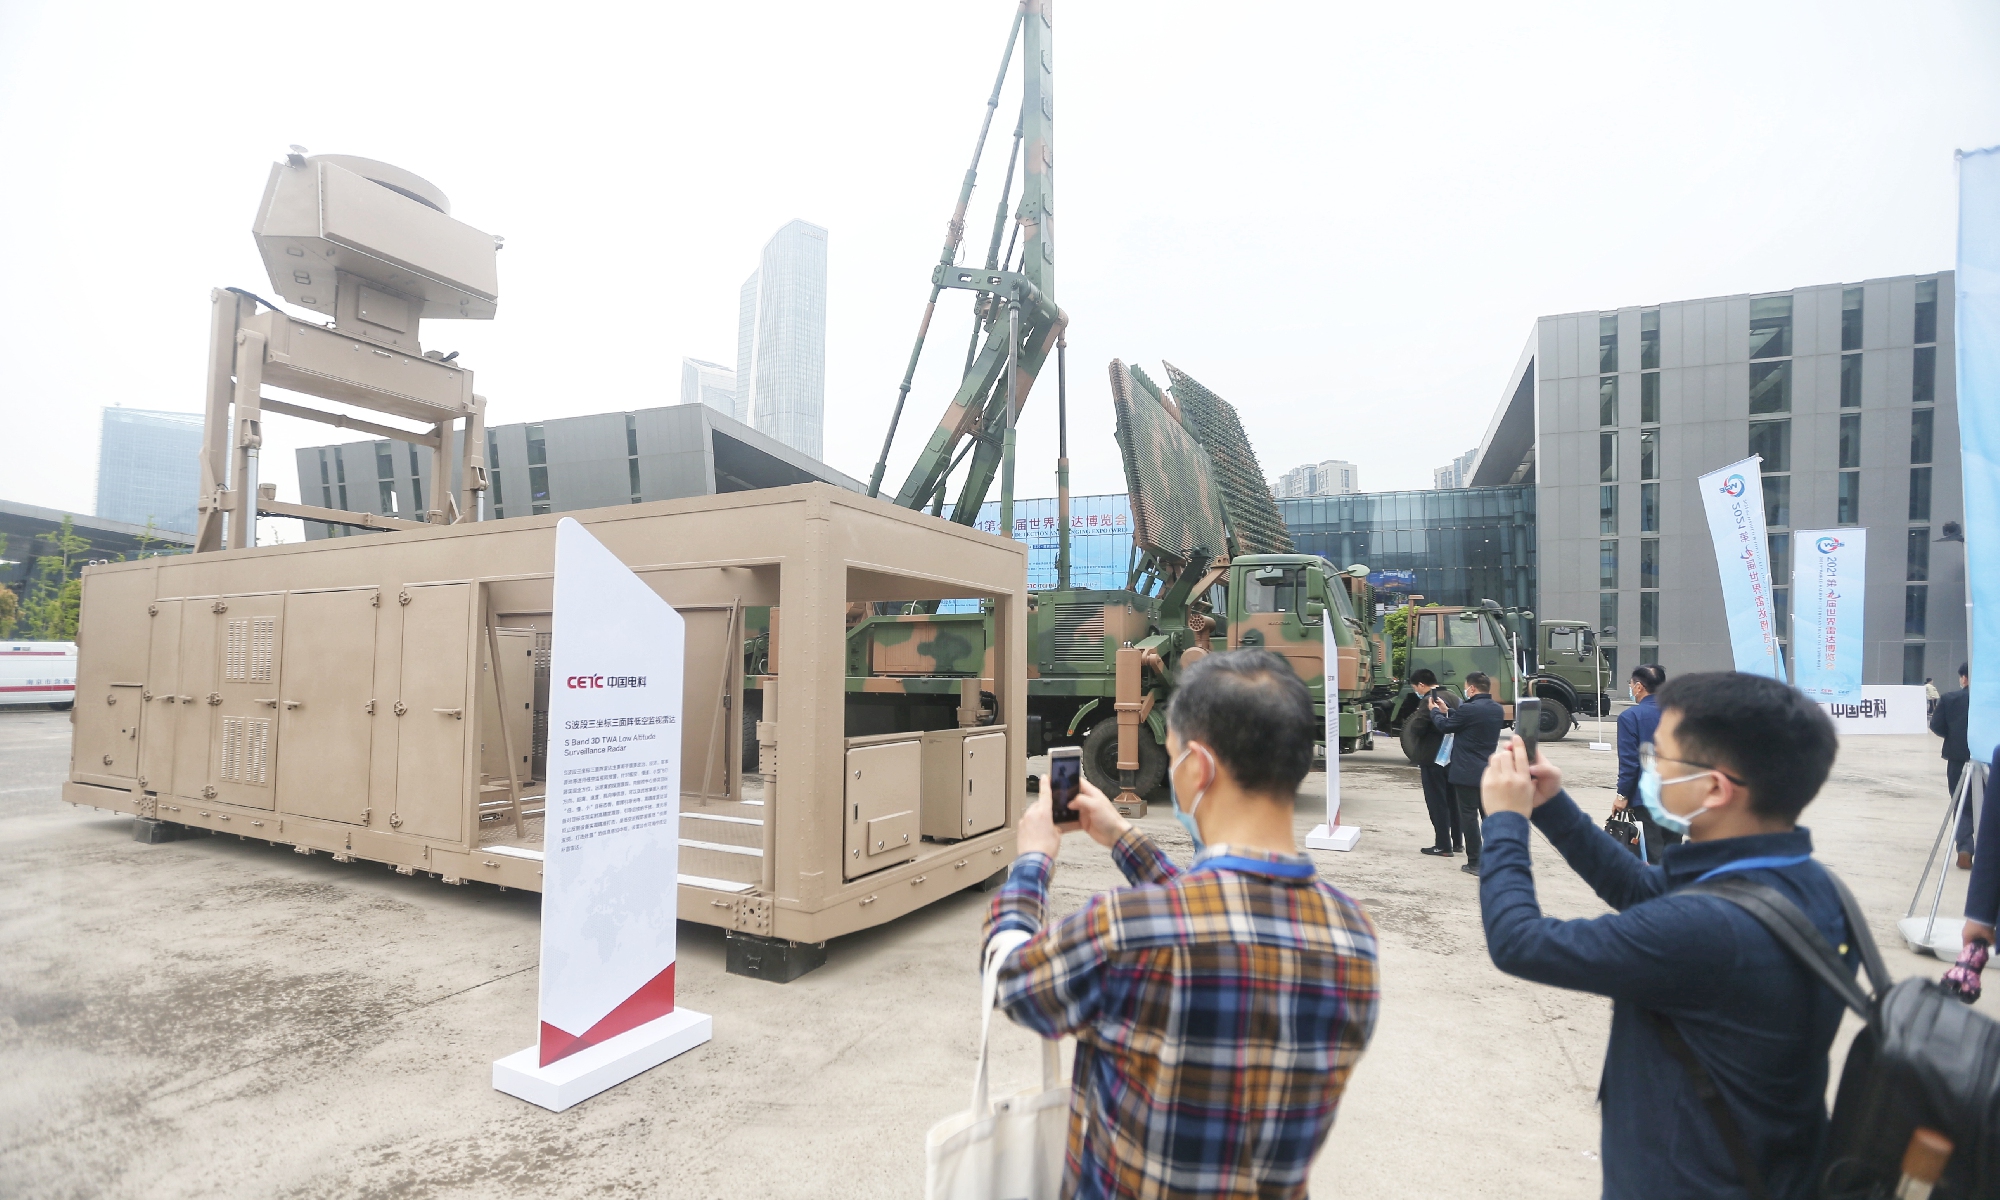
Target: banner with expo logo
x=1734 y=499
x=612 y=838
x=1828 y=571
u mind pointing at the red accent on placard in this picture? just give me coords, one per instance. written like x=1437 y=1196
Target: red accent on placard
x=36 y=654
x=649 y=1003
x=41 y=687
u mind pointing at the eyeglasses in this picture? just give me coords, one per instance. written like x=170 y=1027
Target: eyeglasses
x=1650 y=760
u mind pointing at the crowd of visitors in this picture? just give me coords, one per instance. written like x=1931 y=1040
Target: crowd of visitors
x=1219 y=1009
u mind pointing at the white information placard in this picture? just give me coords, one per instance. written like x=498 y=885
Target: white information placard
x=1330 y=834
x=611 y=842
x=1882 y=708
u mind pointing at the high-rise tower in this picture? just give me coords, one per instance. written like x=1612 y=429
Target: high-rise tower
x=781 y=340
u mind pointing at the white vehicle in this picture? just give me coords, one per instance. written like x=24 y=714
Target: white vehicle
x=38 y=673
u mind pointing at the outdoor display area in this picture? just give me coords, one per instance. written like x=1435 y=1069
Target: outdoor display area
x=363 y=1009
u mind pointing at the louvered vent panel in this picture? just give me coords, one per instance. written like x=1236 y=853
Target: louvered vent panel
x=257 y=751
x=1079 y=633
x=236 y=657
x=263 y=648
x=232 y=744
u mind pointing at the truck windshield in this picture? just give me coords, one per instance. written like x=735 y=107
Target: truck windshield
x=1277 y=590
x=1563 y=641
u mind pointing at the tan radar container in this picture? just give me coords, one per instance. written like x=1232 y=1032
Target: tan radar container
x=383 y=698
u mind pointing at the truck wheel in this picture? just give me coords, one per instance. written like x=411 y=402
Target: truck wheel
x=1412 y=744
x=1556 y=721
x=753 y=712
x=1100 y=759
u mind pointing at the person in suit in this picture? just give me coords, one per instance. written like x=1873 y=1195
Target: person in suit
x=1635 y=729
x=1477 y=723
x=1948 y=722
x=1438 y=801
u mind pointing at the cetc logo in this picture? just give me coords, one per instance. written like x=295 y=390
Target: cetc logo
x=1733 y=486
x=1827 y=545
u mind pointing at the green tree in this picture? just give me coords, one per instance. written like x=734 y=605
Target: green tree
x=54 y=590
x=10 y=607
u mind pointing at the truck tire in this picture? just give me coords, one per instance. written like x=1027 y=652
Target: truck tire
x=1412 y=744
x=753 y=712
x=1556 y=720
x=1100 y=759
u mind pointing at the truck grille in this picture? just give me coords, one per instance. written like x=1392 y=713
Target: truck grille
x=1079 y=634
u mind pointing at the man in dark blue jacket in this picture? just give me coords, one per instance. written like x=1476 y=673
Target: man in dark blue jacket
x=1476 y=724
x=1741 y=756
x=1635 y=729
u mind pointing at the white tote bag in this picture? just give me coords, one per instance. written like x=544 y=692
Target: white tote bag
x=1009 y=1149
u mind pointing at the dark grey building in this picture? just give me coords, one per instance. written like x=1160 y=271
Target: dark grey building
x=1846 y=390
x=1457 y=547
x=149 y=468
x=566 y=464
x=30 y=534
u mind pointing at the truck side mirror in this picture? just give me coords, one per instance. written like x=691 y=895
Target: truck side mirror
x=1315 y=611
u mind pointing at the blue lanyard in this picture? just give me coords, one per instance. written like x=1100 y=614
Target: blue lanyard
x=1755 y=864
x=1257 y=866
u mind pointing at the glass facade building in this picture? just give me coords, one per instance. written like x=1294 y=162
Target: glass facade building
x=708 y=383
x=1459 y=546
x=149 y=468
x=781 y=340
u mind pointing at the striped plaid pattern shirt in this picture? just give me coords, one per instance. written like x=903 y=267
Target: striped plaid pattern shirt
x=1217 y=1014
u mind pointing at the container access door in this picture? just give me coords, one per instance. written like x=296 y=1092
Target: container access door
x=158 y=732
x=247 y=751
x=194 y=724
x=430 y=711
x=328 y=709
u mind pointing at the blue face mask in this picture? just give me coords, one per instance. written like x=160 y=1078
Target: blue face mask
x=1186 y=815
x=1649 y=795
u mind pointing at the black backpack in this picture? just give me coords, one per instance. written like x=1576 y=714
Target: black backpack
x=1925 y=1059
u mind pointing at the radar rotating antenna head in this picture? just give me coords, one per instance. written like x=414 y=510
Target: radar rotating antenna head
x=372 y=246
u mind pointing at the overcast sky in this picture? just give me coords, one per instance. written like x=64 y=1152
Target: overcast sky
x=1343 y=218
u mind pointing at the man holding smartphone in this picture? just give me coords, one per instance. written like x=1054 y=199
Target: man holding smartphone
x=1218 y=1010
x=1477 y=723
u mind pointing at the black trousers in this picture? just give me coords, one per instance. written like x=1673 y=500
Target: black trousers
x=1657 y=839
x=1963 y=836
x=1467 y=795
x=1441 y=806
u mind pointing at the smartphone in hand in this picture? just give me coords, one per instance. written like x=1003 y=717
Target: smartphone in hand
x=1528 y=723
x=1065 y=779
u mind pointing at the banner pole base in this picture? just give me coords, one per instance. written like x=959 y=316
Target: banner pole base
x=577 y=1077
x=1333 y=837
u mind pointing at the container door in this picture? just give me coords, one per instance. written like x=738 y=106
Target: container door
x=158 y=731
x=884 y=783
x=246 y=754
x=326 y=718
x=195 y=724
x=431 y=783
x=107 y=722
x=985 y=783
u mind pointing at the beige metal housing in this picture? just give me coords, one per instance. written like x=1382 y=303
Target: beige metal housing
x=376 y=249
x=377 y=698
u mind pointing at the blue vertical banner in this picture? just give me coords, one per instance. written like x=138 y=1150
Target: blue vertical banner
x=1978 y=309
x=1733 y=497
x=1828 y=568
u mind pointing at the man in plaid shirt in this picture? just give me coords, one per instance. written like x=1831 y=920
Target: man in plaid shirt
x=1217 y=1010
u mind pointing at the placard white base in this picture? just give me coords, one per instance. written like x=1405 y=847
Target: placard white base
x=1338 y=837
x=1602 y=746
x=578 y=1077
x=1942 y=939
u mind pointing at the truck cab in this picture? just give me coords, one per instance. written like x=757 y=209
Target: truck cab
x=1282 y=602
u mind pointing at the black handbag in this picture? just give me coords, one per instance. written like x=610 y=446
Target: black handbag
x=1624 y=830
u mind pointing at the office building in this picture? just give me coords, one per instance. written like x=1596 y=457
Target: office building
x=1455 y=474
x=709 y=383
x=1100 y=538
x=560 y=465
x=149 y=468
x=1848 y=393
x=1330 y=478
x=1450 y=547
x=781 y=340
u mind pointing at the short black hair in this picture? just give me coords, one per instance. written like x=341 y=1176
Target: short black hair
x=1765 y=733
x=1480 y=680
x=1649 y=676
x=1962 y=672
x=1253 y=710
x=1424 y=675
